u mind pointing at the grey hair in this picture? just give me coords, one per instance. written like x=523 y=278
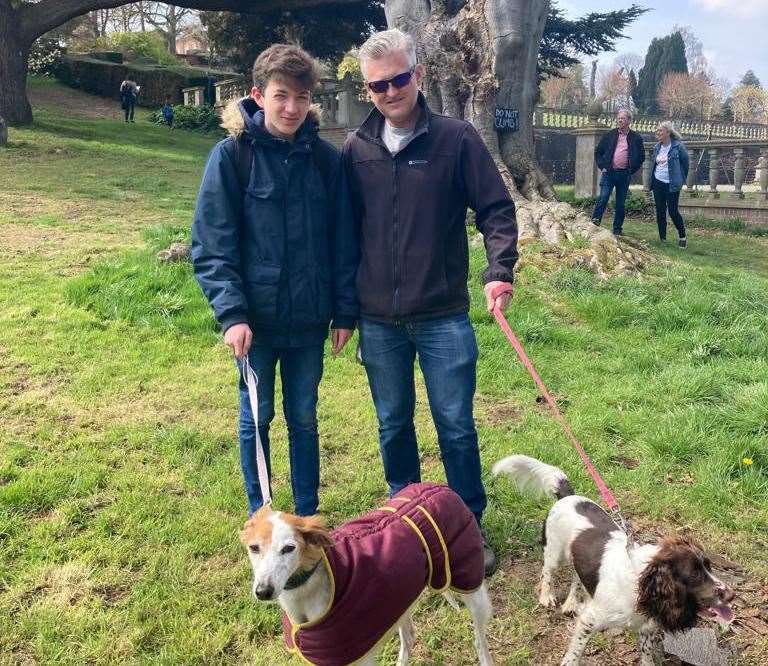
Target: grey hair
x=624 y=109
x=382 y=44
x=667 y=125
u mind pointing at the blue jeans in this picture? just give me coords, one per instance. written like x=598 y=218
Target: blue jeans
x=300 y=371
x=447 y=352
x=613 y=178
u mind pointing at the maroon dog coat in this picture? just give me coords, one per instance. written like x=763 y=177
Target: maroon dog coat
x=381 y=562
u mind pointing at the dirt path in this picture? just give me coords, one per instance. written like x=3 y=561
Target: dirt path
x=74 y=102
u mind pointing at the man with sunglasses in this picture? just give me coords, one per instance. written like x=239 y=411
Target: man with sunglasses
x=413 y=174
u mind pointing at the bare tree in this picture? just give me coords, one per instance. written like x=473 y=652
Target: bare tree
x=481 y=58
x=629 y=61
x=613 y=87
x=167 y=19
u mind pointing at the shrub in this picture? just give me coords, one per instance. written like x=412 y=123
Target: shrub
x=149 y=46
x=198 y=118
x=45 y=57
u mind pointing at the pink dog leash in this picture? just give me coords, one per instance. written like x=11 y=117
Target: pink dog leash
x=252 y=381
x=605 y=492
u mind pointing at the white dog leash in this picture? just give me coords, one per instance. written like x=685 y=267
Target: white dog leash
x=251 y=381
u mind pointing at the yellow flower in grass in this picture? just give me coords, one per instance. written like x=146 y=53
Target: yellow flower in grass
x=747 y=461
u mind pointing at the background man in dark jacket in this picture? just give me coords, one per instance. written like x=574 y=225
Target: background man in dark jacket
x=618 y=155
x=274 y=251
x=413 y=174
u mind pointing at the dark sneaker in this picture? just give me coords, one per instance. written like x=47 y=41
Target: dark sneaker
x=489 y=557
x=682 y=243
x=596 y=222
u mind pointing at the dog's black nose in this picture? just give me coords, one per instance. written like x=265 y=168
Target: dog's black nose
x=264 y=592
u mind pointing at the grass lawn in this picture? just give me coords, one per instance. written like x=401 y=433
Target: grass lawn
x=120 y=489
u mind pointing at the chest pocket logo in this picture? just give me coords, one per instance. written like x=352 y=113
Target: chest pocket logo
x=418 y=162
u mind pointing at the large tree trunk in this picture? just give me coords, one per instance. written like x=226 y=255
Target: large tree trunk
x=481 y=55
x=14 y=106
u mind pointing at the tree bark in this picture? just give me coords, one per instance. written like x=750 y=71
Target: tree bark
x=14 y=105
x=481 y=55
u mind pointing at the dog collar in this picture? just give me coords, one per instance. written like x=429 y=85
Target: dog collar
x=298 y=579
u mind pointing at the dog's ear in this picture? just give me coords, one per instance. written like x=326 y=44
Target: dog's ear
x=314 y=532
x=663 y=596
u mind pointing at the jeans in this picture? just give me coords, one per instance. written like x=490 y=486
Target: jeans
x=613 y=178
x=300 y=371
x=447 y=352
x=666 y=200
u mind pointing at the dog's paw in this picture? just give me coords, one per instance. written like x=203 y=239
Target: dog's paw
x=547 y=600
x=571 y=606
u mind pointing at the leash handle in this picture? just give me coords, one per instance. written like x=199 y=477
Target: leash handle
x=252 y=381
x=605 y=492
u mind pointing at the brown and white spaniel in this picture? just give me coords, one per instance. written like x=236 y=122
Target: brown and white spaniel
x=617 y=583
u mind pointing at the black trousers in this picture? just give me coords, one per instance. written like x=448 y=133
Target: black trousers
x=667 y=201
x=128 y=106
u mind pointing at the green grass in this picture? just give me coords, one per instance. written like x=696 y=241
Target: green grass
x=120 y=490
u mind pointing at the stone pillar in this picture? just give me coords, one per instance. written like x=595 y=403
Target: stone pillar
x=738 y=172
x=714 y=167
x=763 y=165
x=690 y=181
x=648 y=171
x=587 y=175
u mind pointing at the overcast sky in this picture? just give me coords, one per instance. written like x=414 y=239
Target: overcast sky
x=734 y=32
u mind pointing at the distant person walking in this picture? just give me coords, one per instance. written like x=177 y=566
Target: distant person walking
x=670 y=171
x=619 y=155
x=167 y=112
x=129 y=92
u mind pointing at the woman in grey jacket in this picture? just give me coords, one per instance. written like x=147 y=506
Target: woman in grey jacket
x=670 y=170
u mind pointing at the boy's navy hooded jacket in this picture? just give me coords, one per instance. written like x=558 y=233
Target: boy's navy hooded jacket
x=273 y=242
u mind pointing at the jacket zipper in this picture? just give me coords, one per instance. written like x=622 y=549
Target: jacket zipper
x=396 y=276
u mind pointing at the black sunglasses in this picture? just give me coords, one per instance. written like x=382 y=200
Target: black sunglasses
x=398 y=81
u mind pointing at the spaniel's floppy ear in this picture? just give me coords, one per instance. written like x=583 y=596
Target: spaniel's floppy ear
x=314 y=532
x=663 y=596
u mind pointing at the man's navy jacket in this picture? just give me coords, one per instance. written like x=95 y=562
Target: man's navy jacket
x=273 y=241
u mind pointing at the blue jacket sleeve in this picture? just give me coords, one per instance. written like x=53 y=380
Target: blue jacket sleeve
x=346 y=252
x=216 y=238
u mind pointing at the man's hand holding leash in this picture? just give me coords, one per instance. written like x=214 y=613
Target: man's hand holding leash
x=497 y=293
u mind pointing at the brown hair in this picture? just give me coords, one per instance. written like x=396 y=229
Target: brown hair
x=285 y=61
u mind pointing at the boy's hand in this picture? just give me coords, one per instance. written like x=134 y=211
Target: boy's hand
x=339 y=338
x=239 y=337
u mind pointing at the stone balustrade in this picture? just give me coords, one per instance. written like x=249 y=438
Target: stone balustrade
x=558 y=119
x=194 y=96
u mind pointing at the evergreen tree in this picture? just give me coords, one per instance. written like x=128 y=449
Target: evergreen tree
x=633 y=87
x=665 y=55
x=565 y=40
x=750 y=79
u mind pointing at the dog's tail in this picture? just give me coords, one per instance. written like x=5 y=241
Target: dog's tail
x=532 y=475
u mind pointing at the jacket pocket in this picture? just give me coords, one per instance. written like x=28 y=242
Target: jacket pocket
x=262 y=284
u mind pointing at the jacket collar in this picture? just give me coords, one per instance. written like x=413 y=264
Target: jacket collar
x=373 y=125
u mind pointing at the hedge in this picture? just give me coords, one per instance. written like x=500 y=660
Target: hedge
x=104 y=78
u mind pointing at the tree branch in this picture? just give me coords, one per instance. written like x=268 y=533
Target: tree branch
x=37 y=18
